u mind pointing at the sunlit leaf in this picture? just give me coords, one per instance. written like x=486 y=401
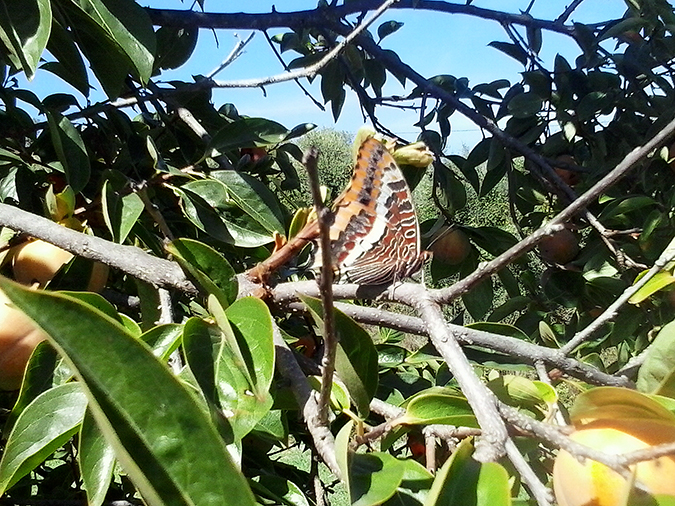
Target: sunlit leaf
x=144 y=412
x=45 y=425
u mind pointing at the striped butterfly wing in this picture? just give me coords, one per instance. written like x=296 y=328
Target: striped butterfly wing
x=375 y=236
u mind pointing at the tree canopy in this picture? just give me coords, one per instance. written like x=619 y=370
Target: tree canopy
x=545 y=311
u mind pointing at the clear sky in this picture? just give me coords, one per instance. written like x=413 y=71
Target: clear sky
x=431 y=42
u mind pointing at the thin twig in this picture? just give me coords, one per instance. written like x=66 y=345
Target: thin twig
x=326 y=284
x=537 y=489
x=610 y=313
x=236 y=52
x=306 y=398
x=297 y=81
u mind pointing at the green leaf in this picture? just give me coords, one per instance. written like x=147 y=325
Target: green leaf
x=70 y=149
x=463 y=481
x=96 y=460
x=618 y=404
x=44 y=426
x=284 y=491
x=438 y=405
x=252 y=197
x=25 y=26
x=522 y=392
x=657 y=282
x=208 y=267
x=248 y=133
x=513 y=50
x=387 y=28
x=69 y=65
x=163 y=339
x=175 y=45
x=356 y=360
x=144 y=412
x=525 y=105
x=234 y=364
x=414 y=486
x=205 y=217
x=121 y=210
x=374 y=478
x=37 y=379
x=657 y=374
x=128 y=26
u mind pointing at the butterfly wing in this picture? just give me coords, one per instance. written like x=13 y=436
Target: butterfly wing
x=375 y=236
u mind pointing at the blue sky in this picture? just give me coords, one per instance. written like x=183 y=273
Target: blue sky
x=432 y=43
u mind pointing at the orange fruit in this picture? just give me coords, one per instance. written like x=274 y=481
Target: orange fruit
x=589 y=483
x=451 y=246
x=559 y=248
x=38 y=261
x=18 y=338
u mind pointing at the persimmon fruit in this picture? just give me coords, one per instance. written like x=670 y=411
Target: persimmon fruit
x=451 y=246
x=590 y=483
x=18 y=338
x=559 y=248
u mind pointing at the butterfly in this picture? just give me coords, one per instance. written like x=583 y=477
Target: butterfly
x=374 y=232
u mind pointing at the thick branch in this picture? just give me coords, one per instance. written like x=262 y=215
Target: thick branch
x=156 y=271
x=311 y=18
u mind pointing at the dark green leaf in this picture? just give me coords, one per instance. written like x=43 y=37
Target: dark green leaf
x=96 y=460
x=252 y=197
x=70 y=149
x=513 y=50
x=374 y=478
x=248 y=133
x=175 y=45
x=208 y=267
x=356 y=362
x=463 y=481
x=144 y=412
x=24 y=30
x=36 y=436
x=127 y=25
x=387 y=28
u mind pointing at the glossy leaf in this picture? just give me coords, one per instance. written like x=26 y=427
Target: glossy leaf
x=439 y=406
x=614 y=403
x=656 y=283
x=374 y=478
x=127 y=25
x=657 y=374
x=252 y=197
x=163 y=339
x=208 y=267
x=45 y=425
x=356 y=360
x=234 y=364
x=144 y=412
x=25 y=26
x=463 y=481
x=38 y=378
x=96 y=460
x=248 y=133
x=71 y=150
x=120 y=211
x=205 y=217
